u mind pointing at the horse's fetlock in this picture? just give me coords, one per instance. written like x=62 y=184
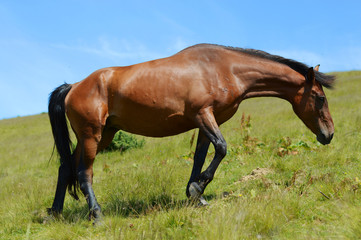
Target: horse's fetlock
x=206 y=177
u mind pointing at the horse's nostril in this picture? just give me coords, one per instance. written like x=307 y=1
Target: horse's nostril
x=324 y=139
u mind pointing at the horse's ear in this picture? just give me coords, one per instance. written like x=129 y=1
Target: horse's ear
x=310 y=76
x=317 y=68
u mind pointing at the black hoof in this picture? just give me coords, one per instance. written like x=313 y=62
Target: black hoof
x=97 y=216
x=53 y=215
x=98 y=222
x=54 y=212
x=195 y=192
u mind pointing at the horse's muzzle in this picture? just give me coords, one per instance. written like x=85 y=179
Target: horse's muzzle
x=323 y=138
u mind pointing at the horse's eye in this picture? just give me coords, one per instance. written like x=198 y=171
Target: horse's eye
x=320 y=100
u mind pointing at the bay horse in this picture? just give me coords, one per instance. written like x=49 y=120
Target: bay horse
x=199 y=87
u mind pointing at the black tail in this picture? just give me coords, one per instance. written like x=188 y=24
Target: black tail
x=60 y=130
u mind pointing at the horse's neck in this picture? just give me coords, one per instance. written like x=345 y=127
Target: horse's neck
x=271 y=80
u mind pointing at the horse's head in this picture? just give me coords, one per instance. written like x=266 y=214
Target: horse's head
x=310 y=105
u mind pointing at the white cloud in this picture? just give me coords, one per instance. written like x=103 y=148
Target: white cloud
x=119 y=51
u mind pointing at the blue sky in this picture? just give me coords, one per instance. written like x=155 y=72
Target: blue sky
x=46 y=43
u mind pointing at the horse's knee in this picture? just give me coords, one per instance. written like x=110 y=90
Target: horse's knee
x=221 y=148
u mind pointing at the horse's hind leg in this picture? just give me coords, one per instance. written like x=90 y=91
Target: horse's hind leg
x=85 y=175
x=107 y=137
x=64 y=177
x=90 y=147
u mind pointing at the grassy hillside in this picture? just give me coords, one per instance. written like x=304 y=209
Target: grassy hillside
x=276 y=181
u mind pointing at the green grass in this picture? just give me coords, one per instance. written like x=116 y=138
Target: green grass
x=311 y=191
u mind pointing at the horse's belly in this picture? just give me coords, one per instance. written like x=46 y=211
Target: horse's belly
x=151 y=122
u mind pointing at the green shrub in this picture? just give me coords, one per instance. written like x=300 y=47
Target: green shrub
x=123 y=141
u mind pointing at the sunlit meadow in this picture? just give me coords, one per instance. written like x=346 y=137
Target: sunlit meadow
x=275 y=182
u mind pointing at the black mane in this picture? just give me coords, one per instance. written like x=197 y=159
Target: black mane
x=323 y=79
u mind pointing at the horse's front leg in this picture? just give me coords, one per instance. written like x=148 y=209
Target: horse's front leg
x=209 y=128
x=199 y=157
